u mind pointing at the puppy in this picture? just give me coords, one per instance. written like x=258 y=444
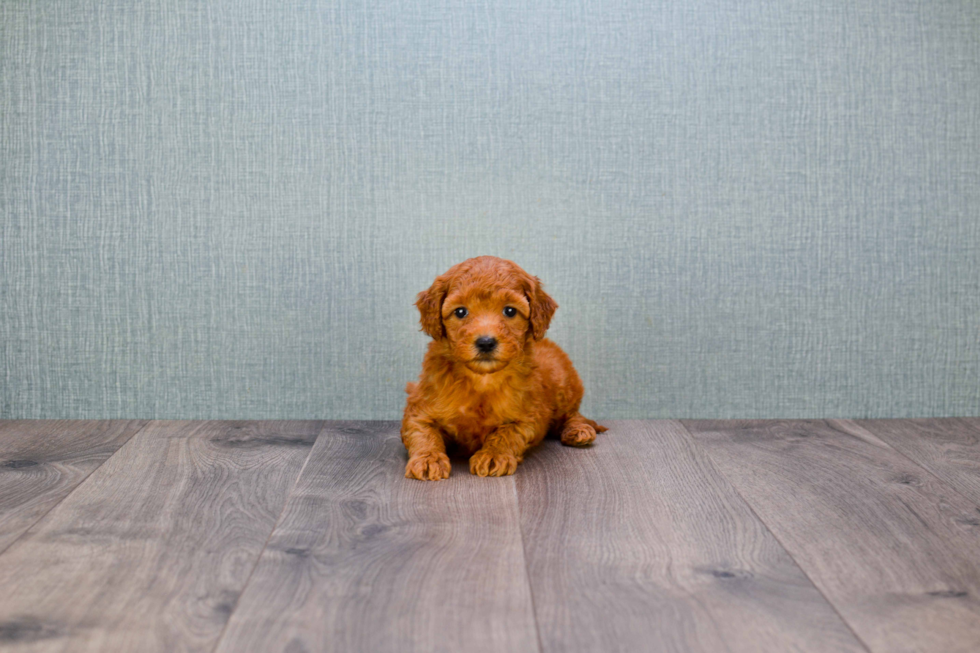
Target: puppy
x=492 y=385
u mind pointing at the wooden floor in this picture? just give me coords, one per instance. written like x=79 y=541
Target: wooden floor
x=664 y=536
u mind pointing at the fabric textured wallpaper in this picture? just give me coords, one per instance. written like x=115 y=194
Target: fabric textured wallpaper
x=767 y=208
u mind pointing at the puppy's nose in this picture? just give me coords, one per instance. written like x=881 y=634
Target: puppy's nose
x=486 y=344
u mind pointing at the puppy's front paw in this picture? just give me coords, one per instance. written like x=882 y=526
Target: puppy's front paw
x=579 y=435
x=493 y=463
x=428 y=466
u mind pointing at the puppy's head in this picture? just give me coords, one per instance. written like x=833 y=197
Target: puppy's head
x=486 y=309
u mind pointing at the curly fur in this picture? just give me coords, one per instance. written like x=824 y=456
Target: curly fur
x=490 y=407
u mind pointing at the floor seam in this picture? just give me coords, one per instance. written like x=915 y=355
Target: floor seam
x=272 y=531
x=796 y=562
x=75 y=489
x=527 y=572
x=946 y=484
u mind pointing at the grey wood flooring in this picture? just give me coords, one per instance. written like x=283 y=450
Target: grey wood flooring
x=813 y=535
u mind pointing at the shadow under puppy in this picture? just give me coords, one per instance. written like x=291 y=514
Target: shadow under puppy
x=492 y=386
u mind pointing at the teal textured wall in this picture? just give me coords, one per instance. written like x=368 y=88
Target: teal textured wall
x=745 y=209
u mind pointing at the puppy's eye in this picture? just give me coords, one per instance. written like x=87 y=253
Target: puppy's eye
x=460 y=312
x=510 y=311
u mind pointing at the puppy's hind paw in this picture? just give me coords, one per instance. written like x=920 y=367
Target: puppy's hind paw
x=578 y=435
x=428 y=466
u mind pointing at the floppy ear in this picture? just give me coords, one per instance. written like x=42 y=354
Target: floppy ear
x=542 y=308
x=429 y=303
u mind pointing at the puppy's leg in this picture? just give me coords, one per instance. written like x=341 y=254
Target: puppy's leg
x=502 y=450
x=579 y=431
x=427 y=459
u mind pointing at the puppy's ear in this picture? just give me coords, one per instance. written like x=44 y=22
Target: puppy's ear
x=429 y=303
x=543 y=307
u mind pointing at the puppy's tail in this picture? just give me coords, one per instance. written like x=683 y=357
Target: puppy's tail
x=410 y=387
x=599 y=428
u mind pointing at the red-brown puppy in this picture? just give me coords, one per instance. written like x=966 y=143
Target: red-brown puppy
x=492 y=385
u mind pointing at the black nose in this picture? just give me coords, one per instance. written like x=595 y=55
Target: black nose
x=486 y=344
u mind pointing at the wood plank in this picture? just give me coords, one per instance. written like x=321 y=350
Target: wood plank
x=894 y=549
x=638 y=543
x=948 y=447
x=367 y=560
x=152 y=551
x=41 y=461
